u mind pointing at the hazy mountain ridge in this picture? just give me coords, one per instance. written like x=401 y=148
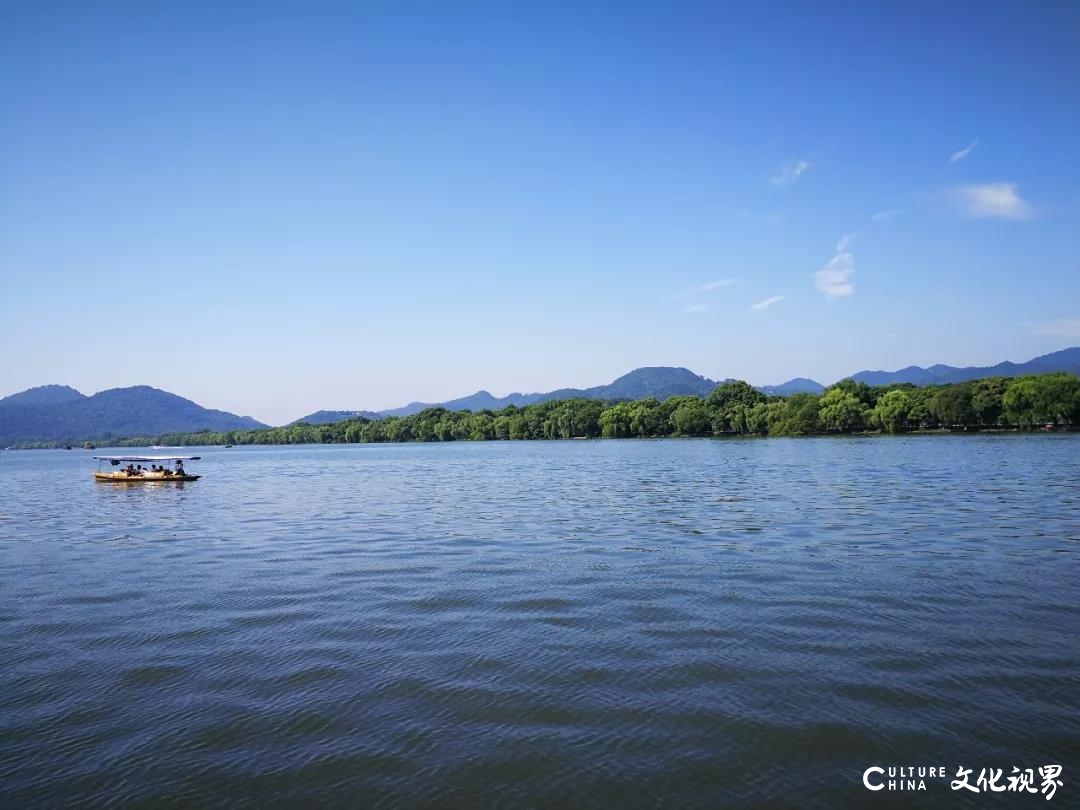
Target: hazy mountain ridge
x=481 y=400
x=329 y=417
x=651 y=381
x=52 y=414
x=796 y=385
x=44 y=395
x=939 y=374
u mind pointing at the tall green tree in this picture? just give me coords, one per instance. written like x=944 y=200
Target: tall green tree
x=951 y=405
x=733 y=391
x=690 y=418
x=797 y=416
x=860 y=390
x=986 y=400
x=892 y=412
x=841 y=410
x=616 y=422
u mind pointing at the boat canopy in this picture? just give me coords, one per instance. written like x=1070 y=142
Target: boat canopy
x=148 y=458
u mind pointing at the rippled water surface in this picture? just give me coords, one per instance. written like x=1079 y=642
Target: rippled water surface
x=620 y=623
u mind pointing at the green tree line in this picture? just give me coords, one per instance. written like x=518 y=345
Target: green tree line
x=732 y=409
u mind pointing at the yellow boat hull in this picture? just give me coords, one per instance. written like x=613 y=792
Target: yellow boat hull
x=146 y=478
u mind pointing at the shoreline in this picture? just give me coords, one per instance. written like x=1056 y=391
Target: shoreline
x=136 y=443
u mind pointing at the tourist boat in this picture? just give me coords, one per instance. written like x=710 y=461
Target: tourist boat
x=131 y=474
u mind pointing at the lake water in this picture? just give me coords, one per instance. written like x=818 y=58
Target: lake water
x=613 y=623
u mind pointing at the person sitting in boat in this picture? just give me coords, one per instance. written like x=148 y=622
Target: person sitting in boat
x=130 y=469
x=179 y=467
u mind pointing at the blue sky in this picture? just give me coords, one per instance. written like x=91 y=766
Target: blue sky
x=274 y=208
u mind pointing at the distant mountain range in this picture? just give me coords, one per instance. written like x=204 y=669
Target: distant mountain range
x=1064 y=360
x=658 y=381
x=665 y=381
x=60 y=413
x=329 y=417
x=799 y=385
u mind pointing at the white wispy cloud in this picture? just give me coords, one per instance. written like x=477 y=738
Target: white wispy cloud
x=699 y=291
x=1062 y=327
x=834 y=279
x=717 y=285
x=768 y=302
x=885 y=216
x=960 y=154
x=991 y=200
x=845 y=242
x=789 y=174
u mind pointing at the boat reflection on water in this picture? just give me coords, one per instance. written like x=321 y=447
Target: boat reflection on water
x=148 y=484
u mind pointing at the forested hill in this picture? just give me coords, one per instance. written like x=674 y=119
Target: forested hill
x=799 y=385
x=59 y=413
x=1067 y=360
x=44 y=395
x=329 y=417
x=654 y=381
